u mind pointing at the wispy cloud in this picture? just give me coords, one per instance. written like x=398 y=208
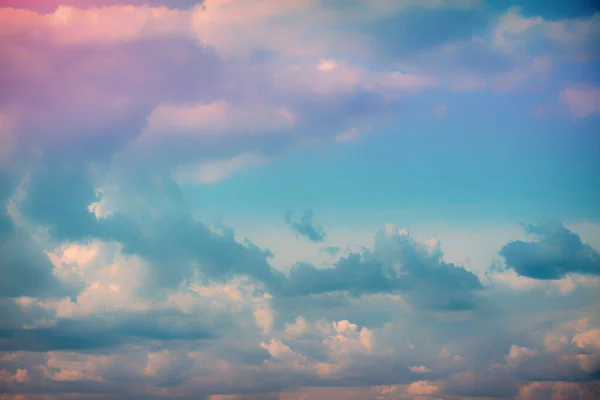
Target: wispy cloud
x=305 y=227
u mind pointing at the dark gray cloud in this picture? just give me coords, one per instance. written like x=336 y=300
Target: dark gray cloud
x=305 y=226
x=555 y=253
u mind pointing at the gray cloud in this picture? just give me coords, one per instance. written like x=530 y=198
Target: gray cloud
x=24 y=267
x=556 y=252
x=305 y=226
x=397 y=263
x=27 y=271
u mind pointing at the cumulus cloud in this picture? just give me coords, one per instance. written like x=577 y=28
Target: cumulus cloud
x=556 y=253
x=118 y=121
x=397 y=263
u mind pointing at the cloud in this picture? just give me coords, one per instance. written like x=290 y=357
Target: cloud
x=562 y=390
x=114 y=284
x=26 y=270
x=213 y=172
x=440 y=110
x=305 y=226
x=420 y=369
x=409 y=19
x=494 y=381
x=128 y=23
x=217 y=119
x=581 y=100
x=559 y=356
x=556 y=253
x=218 y=108
x=348 y=135
x=397 y=263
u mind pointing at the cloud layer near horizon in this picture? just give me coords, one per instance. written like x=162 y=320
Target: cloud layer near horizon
x=111 y=285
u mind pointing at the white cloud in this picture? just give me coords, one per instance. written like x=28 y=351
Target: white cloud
x=422 y=388
x=263 y=315
x=327 y=65
x=348 y=135
x=420 y=369
x=65 y=366
x=518 y=353
x=444 y=353
x=297 y=328
x=158 y=363
x=216 y=171
x=283 y=352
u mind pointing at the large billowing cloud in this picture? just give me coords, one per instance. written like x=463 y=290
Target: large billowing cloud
x=115 y=118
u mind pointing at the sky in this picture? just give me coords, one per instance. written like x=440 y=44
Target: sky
x=299 y=200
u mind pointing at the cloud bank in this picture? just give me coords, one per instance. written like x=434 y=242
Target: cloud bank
x=115 y=118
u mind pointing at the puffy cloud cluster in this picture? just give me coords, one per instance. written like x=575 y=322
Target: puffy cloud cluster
x=239 y=335
x=112 y=287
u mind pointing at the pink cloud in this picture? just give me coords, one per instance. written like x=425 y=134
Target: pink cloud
x=440 y=110
x=20 y=376
x=581 y=100
x=406 y=82
x=558 y=390
x=423 y=388
x=218 y=118
x=70 y=25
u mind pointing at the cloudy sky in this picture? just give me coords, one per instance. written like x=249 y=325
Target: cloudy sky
x=299 y=199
